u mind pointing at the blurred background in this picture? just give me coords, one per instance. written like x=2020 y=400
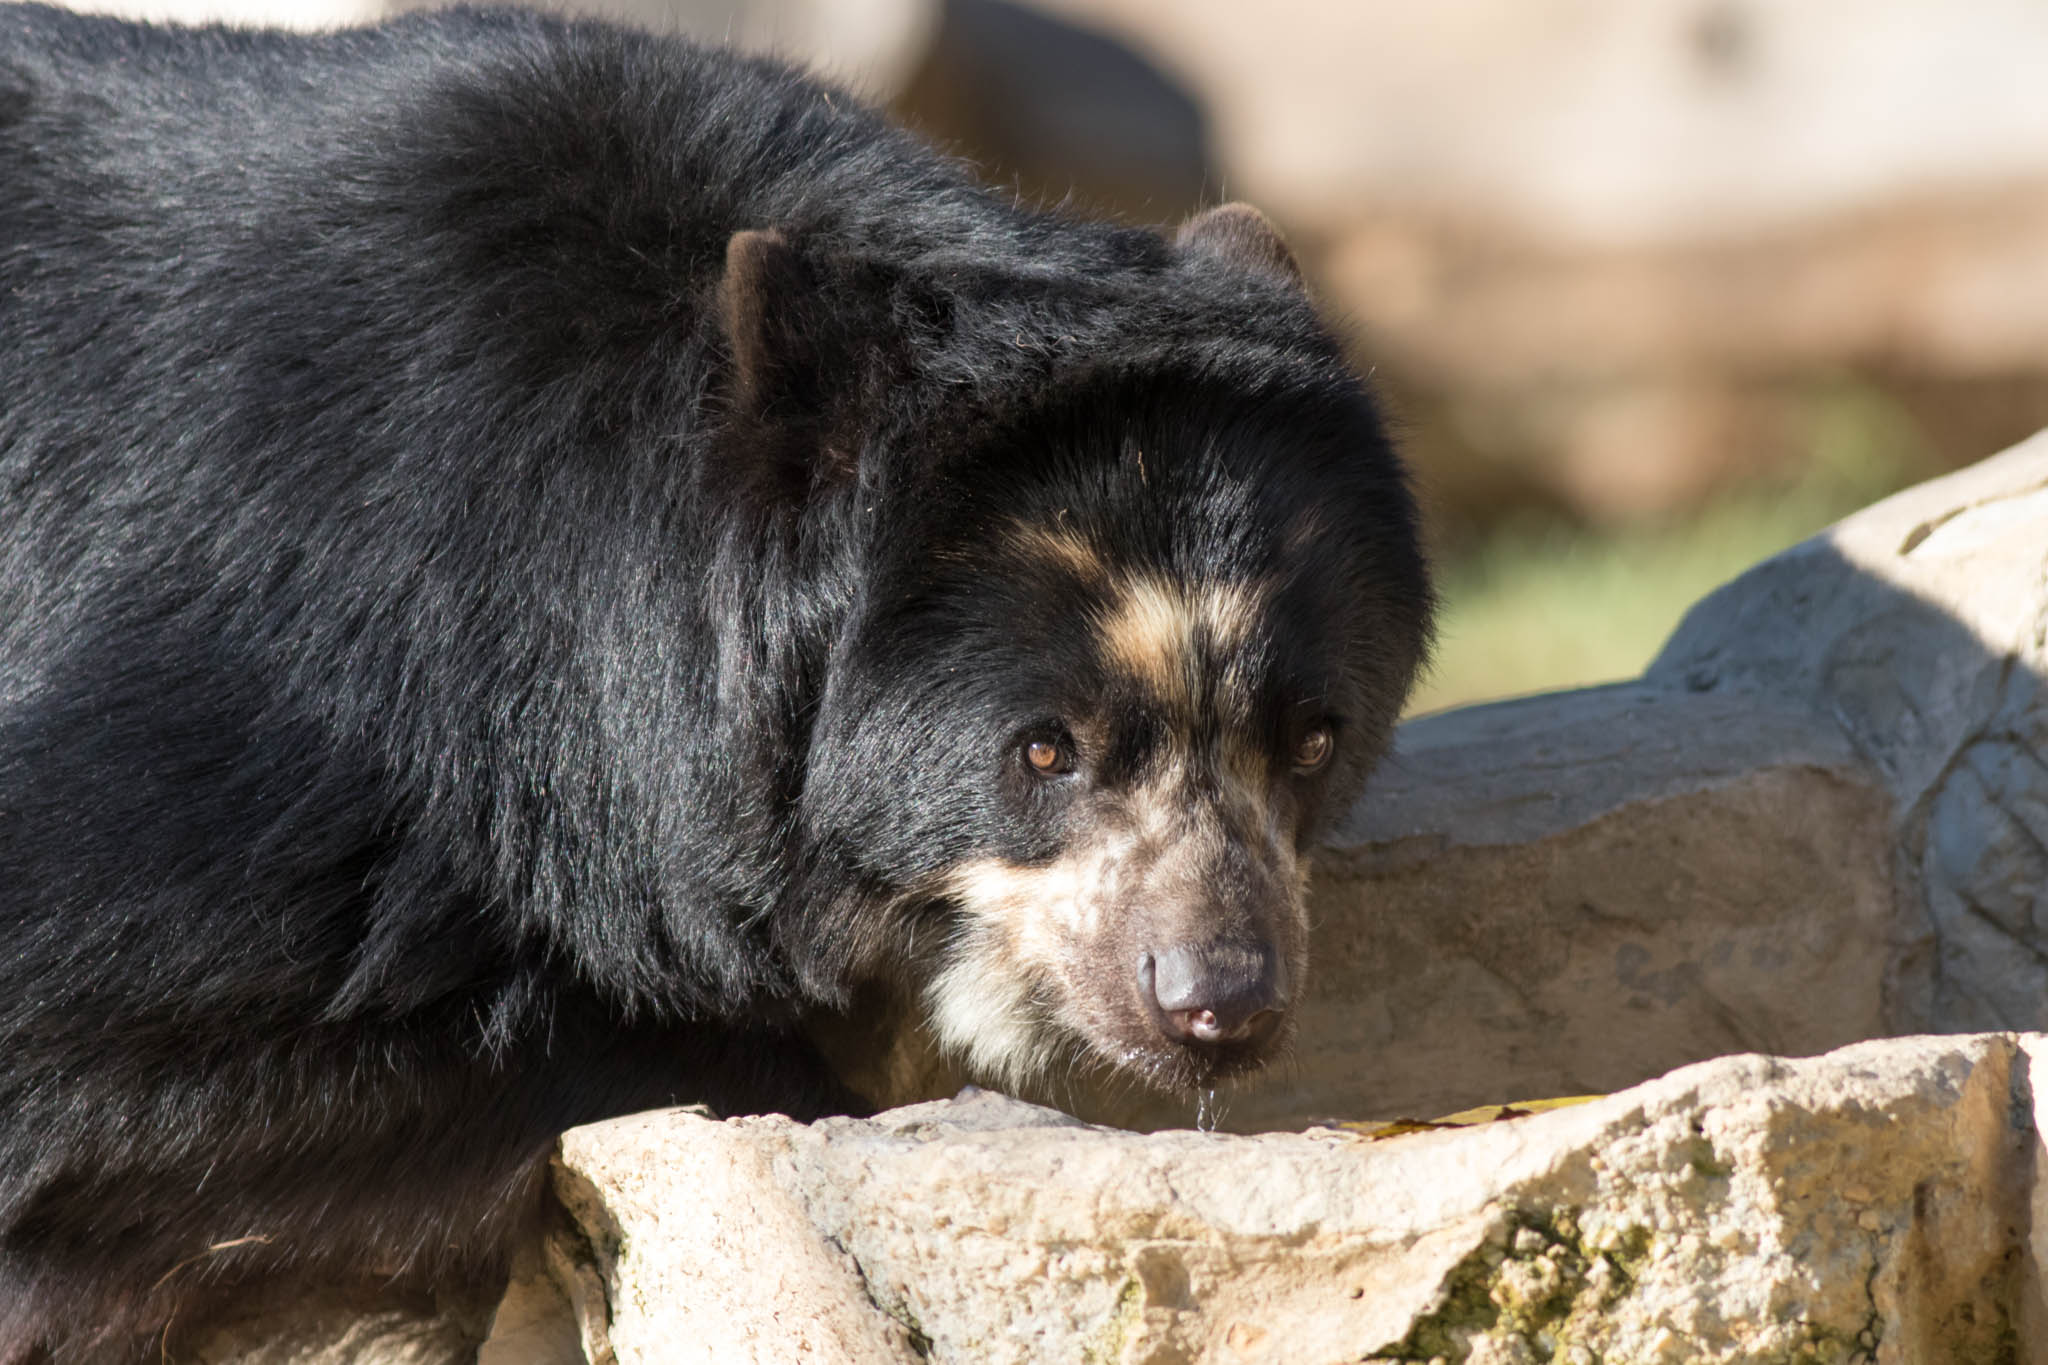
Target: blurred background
x=1652 y=287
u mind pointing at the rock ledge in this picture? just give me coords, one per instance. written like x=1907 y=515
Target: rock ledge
x=1871 y=1204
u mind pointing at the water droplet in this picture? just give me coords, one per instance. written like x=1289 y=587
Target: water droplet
x=1207 y=1110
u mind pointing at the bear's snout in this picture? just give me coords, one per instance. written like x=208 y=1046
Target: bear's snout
x=1208 y=995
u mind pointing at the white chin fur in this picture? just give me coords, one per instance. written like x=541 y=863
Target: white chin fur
x=982 y=1011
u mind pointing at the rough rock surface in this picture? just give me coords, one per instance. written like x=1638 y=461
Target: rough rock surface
x=1870 y=1205
x=1919 y=627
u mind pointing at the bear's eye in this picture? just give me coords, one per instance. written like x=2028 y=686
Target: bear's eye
x=1314 y=748
x=1049 y=757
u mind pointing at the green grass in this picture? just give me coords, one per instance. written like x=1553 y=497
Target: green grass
x=1531 y=611
x=1535 y=608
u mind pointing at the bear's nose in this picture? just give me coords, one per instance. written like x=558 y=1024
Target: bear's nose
x=1215 y=994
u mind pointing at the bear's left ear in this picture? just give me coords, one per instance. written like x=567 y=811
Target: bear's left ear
x=1239 y=235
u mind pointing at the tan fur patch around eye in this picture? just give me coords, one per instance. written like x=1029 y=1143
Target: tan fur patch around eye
x=1162 y=634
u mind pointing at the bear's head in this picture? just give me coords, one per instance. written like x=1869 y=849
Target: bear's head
x=1139 y=600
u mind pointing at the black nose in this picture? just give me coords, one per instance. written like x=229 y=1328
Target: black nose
x=1210 y=995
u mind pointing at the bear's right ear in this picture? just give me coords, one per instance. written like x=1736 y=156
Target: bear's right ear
x=1239 y=235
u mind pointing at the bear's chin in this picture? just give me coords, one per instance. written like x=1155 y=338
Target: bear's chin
x=1155 y=1063
x=1178 y=1069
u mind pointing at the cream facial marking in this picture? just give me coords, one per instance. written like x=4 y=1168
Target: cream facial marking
x=1024 y=978
x=1029 y=924
x=1043 y=909
x=1161 y=633
x=1023 y=925
x=981 y=1007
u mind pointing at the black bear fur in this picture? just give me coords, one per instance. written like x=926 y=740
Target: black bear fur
x=499 y=603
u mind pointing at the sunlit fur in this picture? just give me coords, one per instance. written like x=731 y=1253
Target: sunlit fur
x=531 y=557
x=1161 y=633
x=1058 y=548
x=1030 y=977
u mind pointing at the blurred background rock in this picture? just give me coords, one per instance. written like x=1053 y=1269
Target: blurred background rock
x=1654 y=287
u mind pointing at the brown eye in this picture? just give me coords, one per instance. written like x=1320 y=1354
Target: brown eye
x=1048 y=757
x=1314 y=749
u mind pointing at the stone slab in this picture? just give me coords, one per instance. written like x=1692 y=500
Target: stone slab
x=1872 y=1204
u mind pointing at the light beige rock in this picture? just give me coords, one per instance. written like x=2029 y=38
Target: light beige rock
x=1870 y=1204
x=680 y=1232
x=1920 y=628
x=552 y=1310
x=1821 y=815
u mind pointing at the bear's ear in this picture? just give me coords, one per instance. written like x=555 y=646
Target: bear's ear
x=821 y=347
x=767 y=301
x=1239 y=235
x=806 y=339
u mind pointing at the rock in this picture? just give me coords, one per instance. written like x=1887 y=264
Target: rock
x=553 y=1311
x=703 y=1257
x=1872 y=1204
x=1818 y=816
x=1920 y=628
